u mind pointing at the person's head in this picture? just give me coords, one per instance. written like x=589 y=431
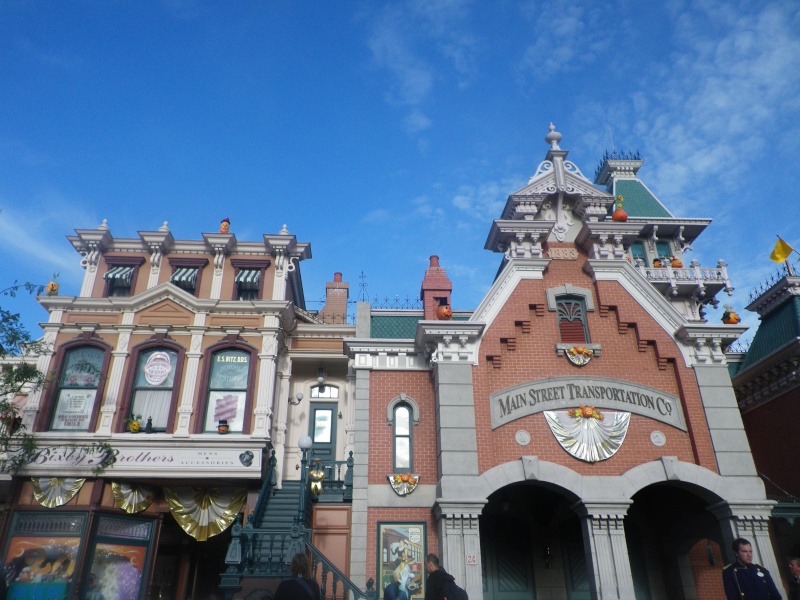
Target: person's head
x=794 y=566
x=299 y=565
x=431 y=563
x=743 y=551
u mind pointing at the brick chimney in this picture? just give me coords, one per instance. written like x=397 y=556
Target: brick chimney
x=336 y=293
x=436 y=288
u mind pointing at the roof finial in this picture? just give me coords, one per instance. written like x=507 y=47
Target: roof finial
x=553 y=137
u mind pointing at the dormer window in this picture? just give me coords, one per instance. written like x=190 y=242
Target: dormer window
x=121 y=275
x=248 y=279
x=185 y=278
x=637 y=252
x=187 y=273
x=247 y=283
x=119 y=280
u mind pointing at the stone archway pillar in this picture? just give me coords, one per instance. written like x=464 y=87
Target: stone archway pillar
x=606 y=549
x=749 y=520
x=459 y=536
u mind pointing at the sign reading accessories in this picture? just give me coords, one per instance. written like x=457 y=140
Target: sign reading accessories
x=569 y=392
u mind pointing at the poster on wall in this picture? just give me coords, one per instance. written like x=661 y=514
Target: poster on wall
x=116 y=572
x=74 y=409
x=401 y=560
x=40 y=567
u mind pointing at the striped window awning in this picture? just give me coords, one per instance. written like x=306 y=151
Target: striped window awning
x=119 y=275
x=248 y=278
x=185 y=277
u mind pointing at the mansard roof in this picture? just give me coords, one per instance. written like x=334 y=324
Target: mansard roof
x=638 y=200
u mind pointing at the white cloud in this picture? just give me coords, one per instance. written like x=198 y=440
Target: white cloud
x=409 y=40
x=484 y=201
x=568 y=36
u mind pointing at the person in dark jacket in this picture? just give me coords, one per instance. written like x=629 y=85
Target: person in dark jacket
x=745 y=580
x=437 y=578
x=300 y=586
x=794 y=578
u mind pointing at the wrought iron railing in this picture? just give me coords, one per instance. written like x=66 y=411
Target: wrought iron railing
x=338 y=478
x=259 y=553
x=266 y=488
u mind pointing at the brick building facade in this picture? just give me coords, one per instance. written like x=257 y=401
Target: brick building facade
x=575 y=435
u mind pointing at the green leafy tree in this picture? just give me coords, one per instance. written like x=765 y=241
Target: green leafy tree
x=19 y=374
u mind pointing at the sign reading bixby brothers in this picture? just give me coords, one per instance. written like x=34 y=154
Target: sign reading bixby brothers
x=569 y=392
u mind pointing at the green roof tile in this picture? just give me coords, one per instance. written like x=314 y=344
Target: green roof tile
x=396 y=327
x=638 y=201
x=778 y=328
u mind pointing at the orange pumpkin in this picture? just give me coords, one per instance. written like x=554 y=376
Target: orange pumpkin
x=444 y=312
x=619 y=215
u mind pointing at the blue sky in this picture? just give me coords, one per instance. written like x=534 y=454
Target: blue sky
x=384 y=132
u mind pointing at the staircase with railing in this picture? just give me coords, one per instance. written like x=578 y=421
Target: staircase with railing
x=278 y=529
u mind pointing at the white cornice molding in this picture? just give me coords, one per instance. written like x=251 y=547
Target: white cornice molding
x=776 y=295
x=450 y=341
x=385 y=354
x=168 y=291
x=515 y=271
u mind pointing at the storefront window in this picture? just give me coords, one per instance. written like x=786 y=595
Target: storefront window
x=227 y=390
x=153 y=386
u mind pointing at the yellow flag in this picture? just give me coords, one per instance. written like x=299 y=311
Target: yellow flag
x=781 y=251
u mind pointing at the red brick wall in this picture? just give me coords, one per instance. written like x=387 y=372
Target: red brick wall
x=707 y=577
x=384 y=386
x=634 y=348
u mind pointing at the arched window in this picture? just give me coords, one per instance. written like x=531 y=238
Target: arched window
x=154 y=386
x=227 y=389
x=325 y=391
x=571 y=312
x=76 y=398
x=402 y=438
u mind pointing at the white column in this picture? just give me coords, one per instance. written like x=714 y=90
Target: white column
x=281 y=407
x=461 y=544
x=119 y=357
x=42 y=364
x=189 y=384
x=266 y=380
x=606 y=549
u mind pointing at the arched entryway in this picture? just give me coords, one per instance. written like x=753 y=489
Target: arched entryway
x=531 y=545
x=674 y=544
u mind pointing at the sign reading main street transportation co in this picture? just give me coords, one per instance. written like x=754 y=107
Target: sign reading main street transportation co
x=561 y=393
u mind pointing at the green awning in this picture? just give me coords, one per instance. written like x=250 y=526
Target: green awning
x=119 y=275
x=248 y=278
x=186 y=277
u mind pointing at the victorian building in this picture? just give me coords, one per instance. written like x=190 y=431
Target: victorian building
x=576 y=435
x=767 y=389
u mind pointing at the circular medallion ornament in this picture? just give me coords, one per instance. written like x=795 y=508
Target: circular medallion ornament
x=522 y=437
x=157 y=368
x=658 y=438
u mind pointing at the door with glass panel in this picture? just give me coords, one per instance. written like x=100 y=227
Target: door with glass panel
x=323 y=430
